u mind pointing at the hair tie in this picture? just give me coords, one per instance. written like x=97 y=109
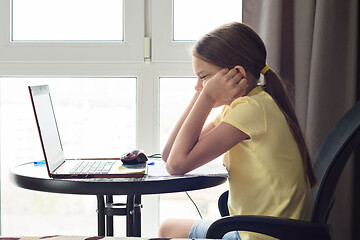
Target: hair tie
x=265 y=69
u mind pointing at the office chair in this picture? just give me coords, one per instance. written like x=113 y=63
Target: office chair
x=328 y=165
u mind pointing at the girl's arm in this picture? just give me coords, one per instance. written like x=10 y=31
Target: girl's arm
x=189 y=151
x=175 y=131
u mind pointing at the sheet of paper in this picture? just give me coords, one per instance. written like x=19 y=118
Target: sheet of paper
x=212 y=168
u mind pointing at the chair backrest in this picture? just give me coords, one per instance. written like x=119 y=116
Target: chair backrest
x=331 y=159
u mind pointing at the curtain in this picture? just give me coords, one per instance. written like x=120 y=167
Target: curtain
x=313 y=46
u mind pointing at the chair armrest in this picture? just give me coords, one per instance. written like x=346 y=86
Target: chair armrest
x=280 y=228
x=222 y=204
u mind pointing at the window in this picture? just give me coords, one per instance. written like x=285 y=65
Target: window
x=67 y=20
x=183 y=21
x=41 y=43
x=203 y=16
x=107 y=67
x=175 y=93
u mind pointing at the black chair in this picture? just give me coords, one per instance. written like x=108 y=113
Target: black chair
x=329 y=163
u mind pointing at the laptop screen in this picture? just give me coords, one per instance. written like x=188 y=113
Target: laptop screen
x=47 y=126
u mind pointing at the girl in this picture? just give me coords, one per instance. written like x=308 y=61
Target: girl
x=266 y=156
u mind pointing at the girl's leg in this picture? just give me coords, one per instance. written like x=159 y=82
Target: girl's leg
x=175 y=228
x=186 y=228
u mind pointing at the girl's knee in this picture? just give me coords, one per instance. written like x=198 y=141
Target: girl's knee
x=175 y=228
x=166 y=228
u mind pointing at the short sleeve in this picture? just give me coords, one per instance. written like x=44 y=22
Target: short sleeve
x=248 y=115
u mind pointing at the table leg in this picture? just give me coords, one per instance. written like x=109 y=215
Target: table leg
x=109 y=218
x=101 y=215
x=137 y=216
x=130 y=215
x=107 y=210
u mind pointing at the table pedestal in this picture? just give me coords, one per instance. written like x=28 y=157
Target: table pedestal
x=107 y=209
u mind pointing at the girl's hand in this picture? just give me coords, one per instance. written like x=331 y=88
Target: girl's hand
x=225 y=86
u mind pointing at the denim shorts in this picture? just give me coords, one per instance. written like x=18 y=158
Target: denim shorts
x=200 y=227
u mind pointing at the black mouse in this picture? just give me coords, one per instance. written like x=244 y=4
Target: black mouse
x=134 y=157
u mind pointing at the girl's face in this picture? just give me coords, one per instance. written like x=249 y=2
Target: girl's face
x=204 y=71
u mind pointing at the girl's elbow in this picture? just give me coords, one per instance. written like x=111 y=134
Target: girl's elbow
x=174 y=169
x=169 y=169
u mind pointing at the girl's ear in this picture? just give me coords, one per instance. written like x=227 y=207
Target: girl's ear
x=241 y=70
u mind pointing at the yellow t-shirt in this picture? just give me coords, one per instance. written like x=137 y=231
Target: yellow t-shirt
x=266 y=175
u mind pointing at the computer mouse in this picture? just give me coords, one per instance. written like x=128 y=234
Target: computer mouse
x=134 y=157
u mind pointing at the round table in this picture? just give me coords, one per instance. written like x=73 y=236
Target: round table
x=30 y=176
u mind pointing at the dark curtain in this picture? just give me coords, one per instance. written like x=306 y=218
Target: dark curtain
x=356 y=177
x=313 y=45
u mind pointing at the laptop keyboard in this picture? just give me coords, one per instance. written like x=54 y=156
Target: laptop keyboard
x=92 y=167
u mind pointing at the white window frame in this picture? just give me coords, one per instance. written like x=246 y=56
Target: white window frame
x=164 y=49
x=42 y=52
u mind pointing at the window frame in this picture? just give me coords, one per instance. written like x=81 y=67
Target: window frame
x=164 y=49
x=129 y=50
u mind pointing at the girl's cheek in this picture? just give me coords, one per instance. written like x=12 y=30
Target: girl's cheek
x=204 y=82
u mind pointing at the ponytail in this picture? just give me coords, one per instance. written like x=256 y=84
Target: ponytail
x=277 y=89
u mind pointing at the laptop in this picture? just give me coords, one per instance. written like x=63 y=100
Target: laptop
x=57 y=165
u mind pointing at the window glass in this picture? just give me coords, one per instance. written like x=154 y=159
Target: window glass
x=90 y=115
x=175 y=94
x=193 y=18
x=62 y=20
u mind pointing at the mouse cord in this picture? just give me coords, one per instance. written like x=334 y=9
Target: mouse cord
x=197 y=209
